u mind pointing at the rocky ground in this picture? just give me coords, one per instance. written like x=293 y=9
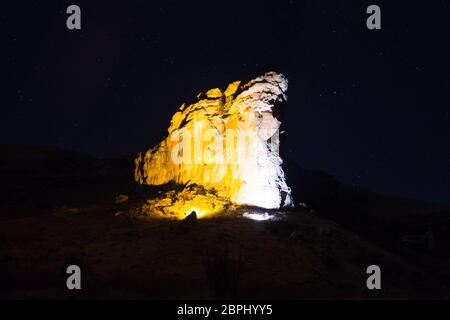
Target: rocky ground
x=51 y=218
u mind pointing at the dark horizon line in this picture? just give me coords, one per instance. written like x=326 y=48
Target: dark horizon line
x=131 y=157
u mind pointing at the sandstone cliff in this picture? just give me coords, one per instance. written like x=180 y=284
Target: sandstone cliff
x=228 y=141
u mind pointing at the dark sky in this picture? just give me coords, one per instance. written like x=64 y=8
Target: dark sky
x=370 y=107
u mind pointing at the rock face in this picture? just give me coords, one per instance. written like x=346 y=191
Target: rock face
x=228 y=141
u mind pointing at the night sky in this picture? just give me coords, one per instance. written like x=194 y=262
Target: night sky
x=370 y=107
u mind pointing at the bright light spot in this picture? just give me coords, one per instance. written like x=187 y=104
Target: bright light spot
x=258 y=216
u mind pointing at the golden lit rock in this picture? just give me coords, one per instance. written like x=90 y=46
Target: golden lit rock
x=227 y=142
x=178 y=205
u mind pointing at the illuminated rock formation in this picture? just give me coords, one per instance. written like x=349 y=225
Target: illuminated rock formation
x=228 y=141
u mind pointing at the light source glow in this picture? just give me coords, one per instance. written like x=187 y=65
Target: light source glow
x=258 y=216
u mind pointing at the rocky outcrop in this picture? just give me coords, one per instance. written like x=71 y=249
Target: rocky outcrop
x=228 y=141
